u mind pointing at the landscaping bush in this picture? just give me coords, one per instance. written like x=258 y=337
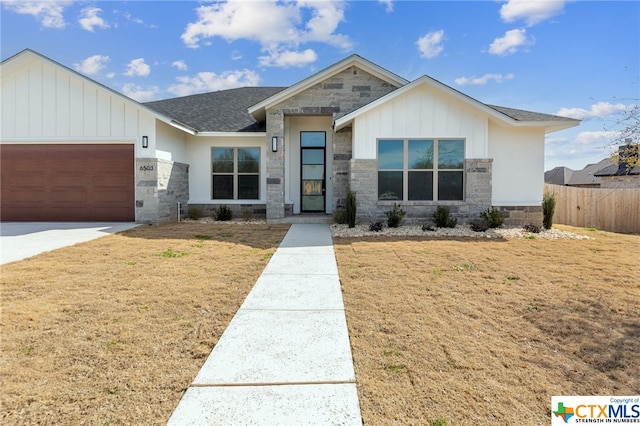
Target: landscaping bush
x=493 y=217
x=351 y=209
x=394 y=216
x=532 y=227
x=223 y=213
x=340 y=216
x=195 y=213
x=376 y=226
x=479 y=226
x=548 y=208
x=443 y=219
x=428 y=228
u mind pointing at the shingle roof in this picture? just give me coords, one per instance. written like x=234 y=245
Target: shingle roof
x=621 y=169
x=221 y=111
x=522 y=115
x=558 y=175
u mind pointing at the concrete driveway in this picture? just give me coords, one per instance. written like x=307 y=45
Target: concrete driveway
x=20 y=240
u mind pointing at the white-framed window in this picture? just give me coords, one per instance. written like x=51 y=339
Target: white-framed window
x=420 y=169
x=235 y=173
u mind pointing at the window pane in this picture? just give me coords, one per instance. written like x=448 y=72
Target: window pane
x=451 y=154
x=420 y=154
x=222 y=160
x=313 y=156
x=248 y=187
x=390 y=185
x=312 y=139
x=313 y=171
x=248 y=160
x=420 y=185
x=450 y=185
x=390 y=154
x=223 y=187
x=312 y=203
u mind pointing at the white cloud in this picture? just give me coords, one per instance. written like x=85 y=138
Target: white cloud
x=288 y=59
x=430 y=45
x=530 y=11
x=388 y=5
x=140 y=94
x=599 y=110
x=181 y=65
x=510 y=43
x=89 y=19
x=276 y=26
x=498 y=78
x=92 y=65
x=600 y=138
x=137 y=68
x=49 y=13
x=209 y=82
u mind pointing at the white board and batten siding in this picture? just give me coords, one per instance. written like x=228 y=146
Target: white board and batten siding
x=517 y=152
x=43 y=102
x=421 y=113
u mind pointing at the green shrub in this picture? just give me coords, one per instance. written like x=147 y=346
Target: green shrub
x=548 y=208
x=340 y=216
x=443 y=219
x=195 y=213
x=532 y=227
x=479 y=226
x=351 y=209
x=223 y=213
x=395 y=216
x=376 y=226
x=493 y=217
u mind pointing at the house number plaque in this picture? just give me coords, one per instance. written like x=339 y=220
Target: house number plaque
x=146 y=168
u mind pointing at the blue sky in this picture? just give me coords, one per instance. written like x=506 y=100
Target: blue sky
x=574 y=58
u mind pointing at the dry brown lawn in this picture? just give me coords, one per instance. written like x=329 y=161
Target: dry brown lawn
x=114 y=330
x=485 y=332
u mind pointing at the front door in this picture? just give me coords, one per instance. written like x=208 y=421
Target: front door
x=312 y=173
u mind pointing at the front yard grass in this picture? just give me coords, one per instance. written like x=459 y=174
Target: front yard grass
x=484 y=332
x=113 y=331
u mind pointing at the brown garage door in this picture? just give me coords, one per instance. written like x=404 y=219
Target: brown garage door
x=67 y=182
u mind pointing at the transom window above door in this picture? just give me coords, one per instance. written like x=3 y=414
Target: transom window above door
x=420 y=169
x=235 y=173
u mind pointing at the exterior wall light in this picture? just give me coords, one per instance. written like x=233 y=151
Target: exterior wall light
x=145 y=141
x=274 y=143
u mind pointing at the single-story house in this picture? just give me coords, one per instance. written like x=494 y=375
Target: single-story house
x=625 y=172
x=73 y=149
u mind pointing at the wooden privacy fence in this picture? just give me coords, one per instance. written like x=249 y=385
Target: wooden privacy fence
x=607 y=209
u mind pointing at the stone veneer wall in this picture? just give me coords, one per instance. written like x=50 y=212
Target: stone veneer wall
x=340 y=94
x=342 y=152
x=364 y=181
x=160 y=186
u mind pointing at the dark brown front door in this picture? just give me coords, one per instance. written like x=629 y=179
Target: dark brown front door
x=67 y=182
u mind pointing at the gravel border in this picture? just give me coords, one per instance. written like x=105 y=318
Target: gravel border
x=460 y=231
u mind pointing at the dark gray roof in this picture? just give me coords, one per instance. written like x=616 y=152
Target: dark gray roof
x=558 y=175
x=522 y=115
x=618 y=170
x=221 y=111
x=587 y=176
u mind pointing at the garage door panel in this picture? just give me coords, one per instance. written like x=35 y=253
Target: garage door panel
x=67 y=182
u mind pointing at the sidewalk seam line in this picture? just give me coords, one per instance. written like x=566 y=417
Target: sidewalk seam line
x=232 y=385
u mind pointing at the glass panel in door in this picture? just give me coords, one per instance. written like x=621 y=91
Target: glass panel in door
x=312 y=173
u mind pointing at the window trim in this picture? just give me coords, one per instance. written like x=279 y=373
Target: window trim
x=435 y=170
x=235 y=173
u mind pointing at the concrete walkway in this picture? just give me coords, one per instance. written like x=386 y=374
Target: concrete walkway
x=285 y=357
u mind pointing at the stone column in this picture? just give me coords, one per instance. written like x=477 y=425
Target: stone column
x=275 y=165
